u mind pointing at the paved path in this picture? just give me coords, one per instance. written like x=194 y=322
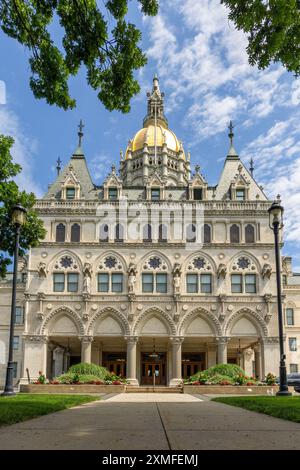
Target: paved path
x=159 y=421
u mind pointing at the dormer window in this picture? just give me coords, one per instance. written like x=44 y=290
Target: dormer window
x=155 y=194
x=70 y=193
x=197 y=194
x=240 y=194
x=112 y=194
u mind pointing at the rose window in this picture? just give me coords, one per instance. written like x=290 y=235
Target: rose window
x=243 y=263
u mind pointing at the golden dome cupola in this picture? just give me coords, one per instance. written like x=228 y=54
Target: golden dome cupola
x=155 y=148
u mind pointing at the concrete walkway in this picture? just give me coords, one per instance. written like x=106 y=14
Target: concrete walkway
x=152 y=421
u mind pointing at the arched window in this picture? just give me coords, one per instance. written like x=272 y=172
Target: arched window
x=191 y=233
x=75 y=233
x=60 y=233
x=119 y=234
x=162 y=233
x=249 y=234
x=207 y=233
x=104 y=233
x=234 y=234
x=147 y=233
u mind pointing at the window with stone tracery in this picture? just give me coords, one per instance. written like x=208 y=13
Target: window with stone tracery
x=243 y=276
x=66 y=275
x=110 y=277
x=199 y=276
x=156 y=279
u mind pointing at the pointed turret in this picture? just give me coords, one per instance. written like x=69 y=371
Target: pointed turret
x=155 y=111
x=79 y=152
x=75 y=174
x=232 y=153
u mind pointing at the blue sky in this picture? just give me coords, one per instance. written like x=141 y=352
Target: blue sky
x=203 y=69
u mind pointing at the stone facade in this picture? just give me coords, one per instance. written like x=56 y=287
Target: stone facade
x=167 y=303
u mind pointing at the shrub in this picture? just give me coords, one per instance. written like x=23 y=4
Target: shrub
x=89 y=369
x=41 y=379
x=270 y=379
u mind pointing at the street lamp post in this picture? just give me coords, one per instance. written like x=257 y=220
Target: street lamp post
x=18 y=219
x=276 y=224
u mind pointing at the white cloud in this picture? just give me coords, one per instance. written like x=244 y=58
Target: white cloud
x=278 y=171
x=23 y=150
x=100 y=166
x=203 y=60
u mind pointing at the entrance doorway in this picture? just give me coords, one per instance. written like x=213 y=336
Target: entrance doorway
x=153 y=370
x=115 y=362
x=192 y=363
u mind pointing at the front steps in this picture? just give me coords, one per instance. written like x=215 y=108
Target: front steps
x=151 y=389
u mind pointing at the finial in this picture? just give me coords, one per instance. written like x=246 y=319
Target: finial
x=251 y=168
x=231 y=134
x=58 y=165
x=80 y=133
x=278 y=197
x=197 y=168
x=113 y=168
x=121 y=155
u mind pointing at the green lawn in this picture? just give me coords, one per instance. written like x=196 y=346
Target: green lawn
x=26 y=406
x=280 y=407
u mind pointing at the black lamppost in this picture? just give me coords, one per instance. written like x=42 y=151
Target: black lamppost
x=276 y=224
x=18 y=219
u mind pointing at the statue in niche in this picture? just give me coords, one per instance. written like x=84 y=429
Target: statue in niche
x=177 y=278
x=222 y=270
x=132 y=271
x=266 y=271
x=87 y=274
x=41 y=269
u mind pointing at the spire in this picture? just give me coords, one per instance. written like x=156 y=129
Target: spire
x=58 y=165
x=79 y=152
x=232 y=152
x=155 y=110
x=251 y=168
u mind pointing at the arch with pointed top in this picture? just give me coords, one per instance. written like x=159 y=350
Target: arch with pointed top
x=248 y=255
x=199 y=254
x=206 y=315
x=106 y=312
x=156 y=312
x=60 y=255
x=106 y=254
x=151 y=254
x=252 y=316
x=59 y=312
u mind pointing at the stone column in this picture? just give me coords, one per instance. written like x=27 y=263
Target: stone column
x=35 y=356
x=222 y=349
x=131 y=359
x=176 y=342
x=257 y=359
x=58 y=356
x=211 y=355
x=270 y=356
x=86 y=349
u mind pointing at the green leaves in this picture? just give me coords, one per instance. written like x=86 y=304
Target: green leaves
x=33 y=230
x=273 y=29
x=109 y=56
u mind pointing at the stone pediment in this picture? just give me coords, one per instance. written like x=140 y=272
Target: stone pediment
x=70 y=178
x=112 y=179
x=155 y=180
x=240 y=178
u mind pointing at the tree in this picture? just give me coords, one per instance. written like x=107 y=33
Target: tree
x=10 y=195
x=273 y=29
x=110 y=55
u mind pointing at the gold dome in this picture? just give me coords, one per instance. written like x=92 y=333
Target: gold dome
x=147 y=136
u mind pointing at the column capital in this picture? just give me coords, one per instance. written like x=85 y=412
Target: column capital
x=131 y=339
x=222 y=339
x=176 y=339
x=270 y=340
x=257 y=348
x=86 y=339
x=35 y=338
